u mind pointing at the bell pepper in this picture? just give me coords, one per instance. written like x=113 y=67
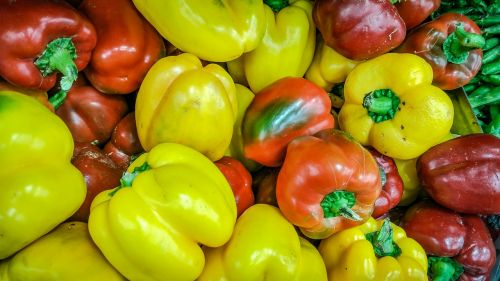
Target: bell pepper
x=40 y=38
x=216 y=31
x=66 y=253
x=40 y=96
x=124 y=144
x=40 y=188
x=407 y=170
x=264 y=186
x=375 y=250
x=459 y=247
x=287 y=47
x=359 y=30
x=127 y=46
x=264 y=246
x=90 y=114
x=183 y=102
x=451 y=44
x=328 y=182
x=240 y=181
x=384 y=95
x=473 y=159
x=328 y=67
x=171 y=200
x=414 y=12
x=392 y=184
x=288 y=108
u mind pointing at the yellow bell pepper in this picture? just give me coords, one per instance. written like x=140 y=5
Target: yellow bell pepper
x=215 y=31
x=264 y=246
x=391 y=105
x=286 y=49
x=65 y=254
x=375 y=250
x=171 y=200
x=40 y=188
x=183 y=102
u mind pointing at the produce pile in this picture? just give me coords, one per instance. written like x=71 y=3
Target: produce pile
x=249 y=140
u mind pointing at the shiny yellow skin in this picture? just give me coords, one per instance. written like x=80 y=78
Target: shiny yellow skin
x=216 y=31
x=183 y=102
x=328 y=67
x=426 y=112
x=286 y=49
x=264 y=246
x=349 y=256
x=153 y=229
x=65 y=254
x=40 y=188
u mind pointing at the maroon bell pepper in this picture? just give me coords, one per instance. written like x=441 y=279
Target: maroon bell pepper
x=463 y=174
x=414 y=12
x=40 y=38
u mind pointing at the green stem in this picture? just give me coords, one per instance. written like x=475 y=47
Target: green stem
x=57 y=99
x=339 y=203
x=381 y=104
x=383 y=244
x=444 y=269
x=128 y=178
x=277 y=5
x=458 y=44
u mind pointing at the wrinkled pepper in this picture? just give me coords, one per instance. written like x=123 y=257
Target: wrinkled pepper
x=287 y=47
x=264 y=246
x=328 y=182
x=40 y=188
x=288 y=108
x=40 y=38
x=384 y=95
x=216 y=31
x=459 y=247
x=472 y=159
x=451 y=44
x=375 y=250
x=184 y=102
x=359 y=30
x=127 y=46
x=66 y=253
x=414 y=12
x=171 y=201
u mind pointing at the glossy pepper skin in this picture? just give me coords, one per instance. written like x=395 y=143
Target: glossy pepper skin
x=30 y=56
x=459 y=246
x=40 y=188
x=172 y=200
x=474 y=159
x=453 y=52
x=264 y=246
x=184 y=102
x=66 y=253
x=382 y=97
x=287 y=47
x=375 y=250
x=213 y=31
x=328 y=182
x=127 y=47
x=288 y=108
x=359 y=30
x=392 y=184
x=414 y=12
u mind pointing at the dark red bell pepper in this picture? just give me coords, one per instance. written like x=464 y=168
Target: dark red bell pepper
x=392 y=184
x=451 y=44
x=240 y=181
x=459 y=247
x=463 y=174
x=264 y=186
x=414 y=12
x=359 y=30
x=127 y=46
x=40 y=38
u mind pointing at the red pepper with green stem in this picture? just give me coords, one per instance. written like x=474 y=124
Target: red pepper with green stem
x=40 y=38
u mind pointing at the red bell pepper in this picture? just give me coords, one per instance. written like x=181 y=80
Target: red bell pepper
x=39 y=38
x=264 y=186
x=414 y=12
x=127 y=46
x=359 y=30
x=451 y=44
x=463 y=174
x=328 y=182
x=288 y=108
x=459 y=247
x=392 y=184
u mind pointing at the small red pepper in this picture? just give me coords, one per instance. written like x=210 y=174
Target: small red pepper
x=451 y=44
x=264 y=186
x=414 y=12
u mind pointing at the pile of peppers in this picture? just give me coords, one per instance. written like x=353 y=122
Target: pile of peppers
x=270 y=140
